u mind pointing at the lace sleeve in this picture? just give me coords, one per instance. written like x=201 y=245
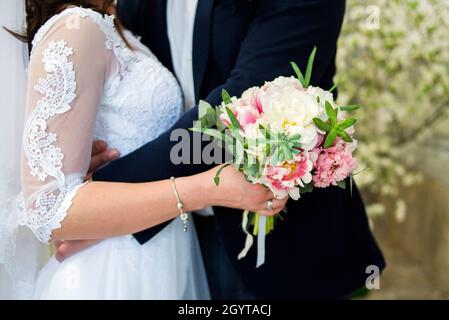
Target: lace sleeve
x=67 y=72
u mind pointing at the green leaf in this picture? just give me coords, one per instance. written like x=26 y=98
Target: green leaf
x=210 y=132
x=307 y=188
x=336 y=83
x=226 y=97
x=211 y=117
x=330 y=111
x=217 y=175
x=310 y=67
x=299 y=74
x=288 y=155
x=351 y=107
x=331 y=136
x=203 y=107
x=351 y=182
x=342 y=184
x=345 y=124
x=322 y=125
x=252 y=170
x=295 y=137
x=275 y=157
x=235 y=123
x=346 y=137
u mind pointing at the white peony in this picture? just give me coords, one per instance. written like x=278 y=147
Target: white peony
x=289 y=108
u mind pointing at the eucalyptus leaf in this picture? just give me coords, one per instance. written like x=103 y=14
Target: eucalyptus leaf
x=288 y=155
x=253 y=170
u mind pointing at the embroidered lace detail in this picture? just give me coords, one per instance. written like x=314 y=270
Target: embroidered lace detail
x=58 y=89
x=106 y=23
x=49 y=211
x=44 y=158
x=141 y=100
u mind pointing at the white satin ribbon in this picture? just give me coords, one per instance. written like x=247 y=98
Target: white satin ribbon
x=249 y=239
x=261 y=241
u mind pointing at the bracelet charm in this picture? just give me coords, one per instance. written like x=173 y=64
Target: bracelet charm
x=184 y=216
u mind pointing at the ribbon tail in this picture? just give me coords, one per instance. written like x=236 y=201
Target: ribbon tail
x=249 y=238
x=261 y=241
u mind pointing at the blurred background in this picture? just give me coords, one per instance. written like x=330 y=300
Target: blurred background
x=393 y=60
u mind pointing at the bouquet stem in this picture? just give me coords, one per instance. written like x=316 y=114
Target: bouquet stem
x=254 y=222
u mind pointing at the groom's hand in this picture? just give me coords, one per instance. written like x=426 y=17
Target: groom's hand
x=101 y=156
x=66 y=249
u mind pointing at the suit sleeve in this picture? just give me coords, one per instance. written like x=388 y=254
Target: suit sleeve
x=281 y=31
x=284 y=31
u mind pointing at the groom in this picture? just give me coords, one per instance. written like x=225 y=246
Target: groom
x=324 y=246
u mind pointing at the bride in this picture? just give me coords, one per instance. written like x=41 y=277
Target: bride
x=88 y=79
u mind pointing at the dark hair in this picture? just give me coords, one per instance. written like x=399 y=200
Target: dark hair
x=40 y=11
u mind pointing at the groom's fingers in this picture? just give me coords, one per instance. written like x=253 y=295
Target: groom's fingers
x=99 y=146
x=66 y=249
x=100 y=159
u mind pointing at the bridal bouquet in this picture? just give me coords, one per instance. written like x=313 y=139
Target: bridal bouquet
x=287 y=135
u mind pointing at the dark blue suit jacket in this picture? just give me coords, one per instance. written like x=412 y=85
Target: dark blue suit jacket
x=324 y=246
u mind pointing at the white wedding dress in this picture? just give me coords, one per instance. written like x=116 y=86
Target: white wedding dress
x=85 y=84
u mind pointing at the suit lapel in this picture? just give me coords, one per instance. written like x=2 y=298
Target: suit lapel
x=201 y=42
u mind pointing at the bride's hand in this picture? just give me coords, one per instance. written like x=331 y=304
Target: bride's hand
x=234 y=191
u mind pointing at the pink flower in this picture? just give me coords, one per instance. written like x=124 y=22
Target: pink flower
x=244 y=110
x=320 y=140
x=285 y=178
x=251 y=97
x=333 y=164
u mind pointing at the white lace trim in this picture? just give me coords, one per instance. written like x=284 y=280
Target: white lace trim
x=44 y=158
x=106 y=23
x=114 y=41
x=58 y=90
x=50 y=210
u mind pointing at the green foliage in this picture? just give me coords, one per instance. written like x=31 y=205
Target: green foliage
x=399 y=72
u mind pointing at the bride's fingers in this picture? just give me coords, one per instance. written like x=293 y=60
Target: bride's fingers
x=277 y=206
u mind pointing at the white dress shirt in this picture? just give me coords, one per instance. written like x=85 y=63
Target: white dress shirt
x=180 y=24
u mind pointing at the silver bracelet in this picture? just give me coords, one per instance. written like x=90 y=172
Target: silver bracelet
x=180 y=205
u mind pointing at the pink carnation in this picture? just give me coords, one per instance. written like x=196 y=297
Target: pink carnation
x=333 y=164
